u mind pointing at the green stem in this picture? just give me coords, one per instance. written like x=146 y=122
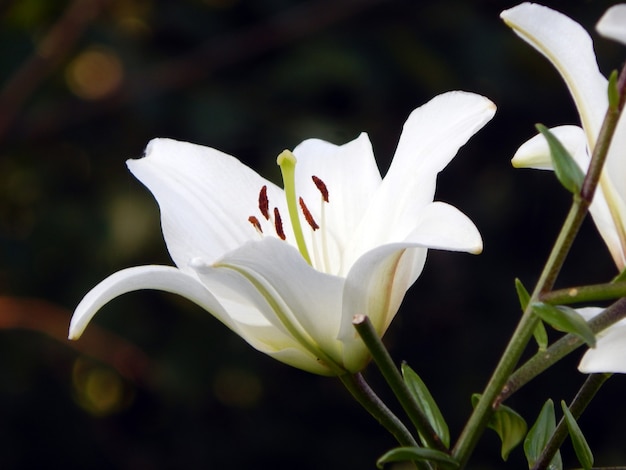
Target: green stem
x=362 y=392
x=480 y=416
x=591 y=293
x=584 y=396
x=393 y=377
x=557 y=351
x=522 y=334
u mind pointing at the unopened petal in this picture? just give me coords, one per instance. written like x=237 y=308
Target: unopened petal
x=568 y=46
x=613 y=23
x=206 y=198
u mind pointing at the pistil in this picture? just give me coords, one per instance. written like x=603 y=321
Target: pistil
x=287 y=162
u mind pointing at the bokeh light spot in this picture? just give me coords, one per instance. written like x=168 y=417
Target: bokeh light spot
x=95 y=74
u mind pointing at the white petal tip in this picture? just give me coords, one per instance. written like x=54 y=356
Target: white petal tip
x=612 y=25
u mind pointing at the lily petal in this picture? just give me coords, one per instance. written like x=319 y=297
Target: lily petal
x=205 y=197
x=431 y=137
x=349 y=196
x=444 y=227
x=570 y=49
x=535 y=153
x=609 y=355
x=288 y=292
x=613 y=23
x=163 y=278
x=375 y=287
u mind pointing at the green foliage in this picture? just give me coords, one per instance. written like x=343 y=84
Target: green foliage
x=540 y=334
x=565 y=319
x=427 y=403
x=405 y=454
x=583 y=452
x=508 y=424
x=567 y=171
x=539 y=435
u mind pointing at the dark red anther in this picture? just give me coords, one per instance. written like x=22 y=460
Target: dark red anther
x=278 y=223
x=264 y=203
x=307 y=215
x=321 y=186
x=254 y=221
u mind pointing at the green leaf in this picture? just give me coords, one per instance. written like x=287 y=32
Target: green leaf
x=509 y=425
x=539 y=435
x=404 y=454
x=613 y=91
x=583 y=452
x=567 y=171
x=565 y=319
x=540 y=334
x=426 y=402
x=522 y=294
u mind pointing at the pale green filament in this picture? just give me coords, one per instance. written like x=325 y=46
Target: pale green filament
x=287 y=163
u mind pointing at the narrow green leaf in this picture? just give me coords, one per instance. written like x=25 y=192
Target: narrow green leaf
x=565 y=319
x=426 y=402
x=613 y=91
x=522 y=294
x=582 y=449
x=567 y=171
x=405 y=454
x=540 y=334
x=539 y=435
x=509 y=425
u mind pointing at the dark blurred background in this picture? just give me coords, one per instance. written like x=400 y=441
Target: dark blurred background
x=156 y=382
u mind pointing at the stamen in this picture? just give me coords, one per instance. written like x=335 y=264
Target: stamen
x=264 y=203
x=307 y=215
x=287 y=162
x=255 y=222
x=278 y=223
x=321 y=186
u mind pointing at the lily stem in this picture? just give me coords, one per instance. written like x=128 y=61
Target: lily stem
x=584 y=396
x=522 y=334
x=393 y=377
x=363 y=393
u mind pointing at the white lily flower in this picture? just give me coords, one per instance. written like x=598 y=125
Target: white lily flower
x=570 y=49
x=289 y=276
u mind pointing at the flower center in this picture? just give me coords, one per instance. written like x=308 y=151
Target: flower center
x=287 y=163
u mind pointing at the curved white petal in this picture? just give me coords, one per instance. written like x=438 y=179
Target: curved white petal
x=431 y=137
x=568 y=46
x=305 y=304
x=163 y=278
x=228 y=306
x=375 y=287
x=613 y=23
x=205 y=197
x=444 y=227
x=535 y=153
x=609 y=355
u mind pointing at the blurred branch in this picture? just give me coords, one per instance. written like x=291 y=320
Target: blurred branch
x=47 y=318
x=217 y=53
x=49 y=53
